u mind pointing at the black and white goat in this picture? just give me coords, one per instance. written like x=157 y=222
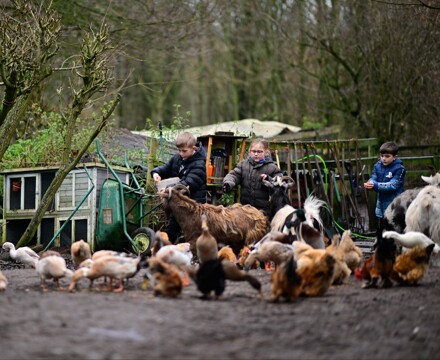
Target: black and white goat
x=302 y=224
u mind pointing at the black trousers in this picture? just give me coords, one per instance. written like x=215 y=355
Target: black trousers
x=172 y=229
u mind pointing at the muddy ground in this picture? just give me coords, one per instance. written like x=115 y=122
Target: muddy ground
x=348 y=322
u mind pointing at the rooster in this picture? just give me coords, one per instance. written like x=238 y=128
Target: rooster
x=376 y=270
x=286 y=282
x=412 y=265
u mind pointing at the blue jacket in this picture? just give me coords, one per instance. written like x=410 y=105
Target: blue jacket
x=192 y=172
x=388 y=183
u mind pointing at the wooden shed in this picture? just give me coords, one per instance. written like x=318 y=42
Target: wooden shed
x=24 y=188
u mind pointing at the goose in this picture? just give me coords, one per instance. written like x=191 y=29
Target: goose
x=52 y=266
x=24 y=255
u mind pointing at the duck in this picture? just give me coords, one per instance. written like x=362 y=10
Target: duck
x=24 y=255
x=52 y=266
x=115 y=267
x=3 y=282
x=80 y=251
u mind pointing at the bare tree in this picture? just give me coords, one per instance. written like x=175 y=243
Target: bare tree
x=30 y=36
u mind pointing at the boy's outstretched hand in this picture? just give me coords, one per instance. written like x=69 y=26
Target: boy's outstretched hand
x=156 y=177
x=368 y=185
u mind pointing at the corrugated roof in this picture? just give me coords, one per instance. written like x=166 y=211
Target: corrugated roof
x=246 y=127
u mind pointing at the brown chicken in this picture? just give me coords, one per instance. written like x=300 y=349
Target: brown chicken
x=286 y=283
x=166 y=278
x=243 y=255
x=317 y=276
x=412 y=265
x=226 y=253
x=377 y=269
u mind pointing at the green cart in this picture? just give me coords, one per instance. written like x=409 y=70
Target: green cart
x=121 y=213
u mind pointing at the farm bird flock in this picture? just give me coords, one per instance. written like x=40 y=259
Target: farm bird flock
x=302 y=266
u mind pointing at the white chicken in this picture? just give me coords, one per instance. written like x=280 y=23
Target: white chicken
x=3 y=282
x=411 y=239
x=179 y=255
x=24 y=255
x=52 y=267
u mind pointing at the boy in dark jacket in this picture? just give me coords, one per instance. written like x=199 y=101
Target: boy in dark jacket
x=190 y=166
x=387 y=180
x=250 y=172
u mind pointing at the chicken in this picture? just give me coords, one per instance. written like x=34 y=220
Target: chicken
x=269 y=251
x=286 y=283
x=179 y=255
x=226 y=253
x=52 y=266
x=352 y=254
x=80 y=251
x=160 y=239
x=115 y=267
x=3 y=282
x=411 y=239
x=206 y=244
x=412 y=265
x=165 y=277
x=23 y=255
x=317 y=276
x=376 y=270
x=243 y=255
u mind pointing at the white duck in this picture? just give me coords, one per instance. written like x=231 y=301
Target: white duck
x=52 y=266
x=411 y=239
x=115 y=267
x=3 y=282
x=23 y=255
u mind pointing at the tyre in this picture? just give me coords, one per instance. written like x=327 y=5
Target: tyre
x=142 y=240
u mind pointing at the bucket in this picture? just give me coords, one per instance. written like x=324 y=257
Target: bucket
x=163 y=184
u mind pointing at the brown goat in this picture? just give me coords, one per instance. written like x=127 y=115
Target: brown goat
x=236 y=225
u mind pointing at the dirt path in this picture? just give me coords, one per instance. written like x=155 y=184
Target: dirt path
x=347 y=323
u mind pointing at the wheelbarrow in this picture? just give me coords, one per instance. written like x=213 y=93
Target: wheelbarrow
x=121 y=213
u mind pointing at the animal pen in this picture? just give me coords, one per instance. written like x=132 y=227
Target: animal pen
x=335 y=172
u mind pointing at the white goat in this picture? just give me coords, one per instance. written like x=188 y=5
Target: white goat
x=424 y=212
